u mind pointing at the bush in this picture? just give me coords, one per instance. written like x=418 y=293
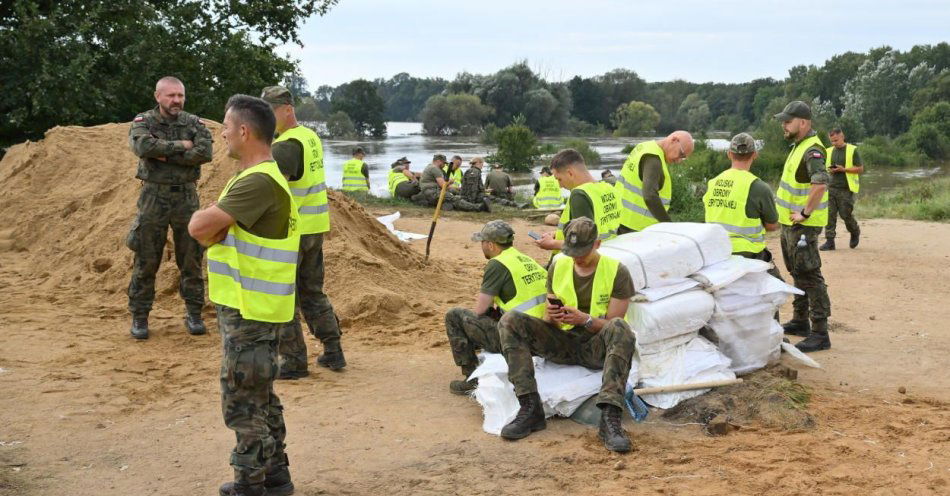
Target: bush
x=517 y=147
x=577 y=127
x=458 y=114
x=884 y=151
x=490 y=134
x=591 y=157
x=927 y=199
x=340 y=126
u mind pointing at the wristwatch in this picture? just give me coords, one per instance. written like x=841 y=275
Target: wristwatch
x=803 y=214
x=590 y=322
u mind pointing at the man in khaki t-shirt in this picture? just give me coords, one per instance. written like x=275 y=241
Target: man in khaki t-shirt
x=433 y=177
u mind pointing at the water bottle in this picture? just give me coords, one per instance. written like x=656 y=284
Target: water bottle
x=801 y=242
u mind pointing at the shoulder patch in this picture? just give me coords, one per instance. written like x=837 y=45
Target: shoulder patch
x=139 y=118
x=816 y=154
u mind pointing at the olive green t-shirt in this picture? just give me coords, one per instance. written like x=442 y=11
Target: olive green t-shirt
x=581 y=205
x=760 y=204
x=497 y=281
x=651 y=174
x=259 y=205
x=840 y=180
x=430 y=176
x=584 y=286
x=289 y=157
x=498 y=181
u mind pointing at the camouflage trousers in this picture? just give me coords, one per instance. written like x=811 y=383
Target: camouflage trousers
x=407 y=189
x=611 y=349
x=161 y=206
x=467 y=333
x=315 y=306
x=430 y=197
x=250 y=407
x=804 y=264
x=841 y=202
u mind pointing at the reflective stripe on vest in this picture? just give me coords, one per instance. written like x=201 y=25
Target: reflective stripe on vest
x=549 y=193
x=725 y=204
x=604 y=275
x=254 y=275
x=353 y=178
x=635 y=214
x=310 y=191
x=395 y=179
x=530 y=284
x=854 y=180
x=792 y=196
x=606 y=209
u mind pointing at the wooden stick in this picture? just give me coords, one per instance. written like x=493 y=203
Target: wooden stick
x=686 y=387
x=435 y=217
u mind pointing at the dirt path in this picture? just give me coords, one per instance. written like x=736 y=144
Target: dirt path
x=87 y=411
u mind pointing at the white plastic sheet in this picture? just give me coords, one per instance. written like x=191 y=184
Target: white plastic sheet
x=696 y=361
x=390 y=220
x=715 y=276
x=657 y=322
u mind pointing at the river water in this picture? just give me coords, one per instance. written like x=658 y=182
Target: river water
x=405 y=139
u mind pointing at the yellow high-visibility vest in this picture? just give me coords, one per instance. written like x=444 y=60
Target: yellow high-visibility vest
x=455 y=175
x=353 y=178
x=725 y=201
x=606 y=210
x=854 y=179
x=635 y=214
x=604 y=275
x=310 y=191
x=530 y=284
x=256 y=275
x=549 y=193
x=395 y=179
x=793 y=195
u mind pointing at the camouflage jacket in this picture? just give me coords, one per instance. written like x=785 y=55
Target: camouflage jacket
x=472 y=187
x=152 y=138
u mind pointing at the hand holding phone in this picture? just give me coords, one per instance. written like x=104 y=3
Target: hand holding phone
x=533 y=235
x=555 y=302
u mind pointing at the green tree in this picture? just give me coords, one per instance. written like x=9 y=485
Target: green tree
x=634 y=119
x=405 y=96
x=459 y=114
x=92 y=61
x=697 y=112
x=931 y=130
x=307 y=110
x=880 y=93
x=340 y=126
x=517 y=146
x=359 y=100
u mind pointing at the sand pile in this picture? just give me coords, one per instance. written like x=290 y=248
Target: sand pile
x=69 y=201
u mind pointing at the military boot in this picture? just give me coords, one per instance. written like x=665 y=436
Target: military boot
x=486 y=204
x=818 y=339
x=195 y=324
x=463 y=388
x=277 y=480
x=332 y=357
x=855 y=239
x=797 y=327
x=139 y=327
x=611 y=431
x=242 y=489
x=530 y=418
x=828 y=245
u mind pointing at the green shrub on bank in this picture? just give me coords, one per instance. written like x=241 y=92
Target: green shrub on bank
x=591 y=157
x=927 y=199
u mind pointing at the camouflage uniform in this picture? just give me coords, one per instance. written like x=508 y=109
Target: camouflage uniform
x=611 y=349
x=313 y=304
x=841 y=202
x=473 y=190
x=168 y=198
x=804 y=264
x=250 y=407
x=469 y=332
x=429 y=197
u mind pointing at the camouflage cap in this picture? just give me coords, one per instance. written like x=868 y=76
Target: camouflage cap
x=404 y=160
x=579 y=237
x=742 y=144
x=277 y=95
x=439 y=156
x=795 y=109
x=496 y=231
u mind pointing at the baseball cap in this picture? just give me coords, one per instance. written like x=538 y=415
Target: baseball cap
x=439 y=156
x=404 y=160
x=277 y=95
x=794 y=109
x=742 y=143
x=579 y=237
x=496 y=231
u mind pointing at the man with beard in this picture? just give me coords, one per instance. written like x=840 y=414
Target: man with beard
x=171 y=145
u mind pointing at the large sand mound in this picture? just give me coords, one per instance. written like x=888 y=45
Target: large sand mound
x=69 y=200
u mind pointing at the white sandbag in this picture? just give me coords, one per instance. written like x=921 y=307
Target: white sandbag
x=751 y=341
x=660 y=292
x=679 y=314
x=758 y=283
x=717 y=275
x=665 y=344
x=659 y=256
x=495 y=393
x=695 y=361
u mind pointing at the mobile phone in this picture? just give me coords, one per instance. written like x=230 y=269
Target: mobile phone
x=556 y=302
x=533 y=235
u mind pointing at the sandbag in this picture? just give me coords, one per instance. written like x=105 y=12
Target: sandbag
x=751 y=341
x=715 y=276
x=696 y=361
x=675 y=315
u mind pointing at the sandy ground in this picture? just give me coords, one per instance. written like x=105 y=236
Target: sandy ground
x=88 y=411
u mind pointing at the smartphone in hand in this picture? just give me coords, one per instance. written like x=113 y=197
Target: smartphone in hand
x=556 y=302
x=533 y=235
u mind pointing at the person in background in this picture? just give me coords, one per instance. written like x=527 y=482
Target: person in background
x=402 y=182
x=845 y=165
x=453 y=172
x=608 y=177
x=498 y=183
x=645 y=186
x=356 y=172
x=547 y=191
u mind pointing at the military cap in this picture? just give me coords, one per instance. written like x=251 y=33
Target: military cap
x=439 y=156
x=742 y=143
x=277 y=95
x=795 y=109
x=496 y=231
x=404 y=160
x=579 y=237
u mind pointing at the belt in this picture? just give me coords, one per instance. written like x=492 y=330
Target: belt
x=173 y=188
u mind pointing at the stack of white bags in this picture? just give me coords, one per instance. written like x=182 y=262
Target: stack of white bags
x=686 y=279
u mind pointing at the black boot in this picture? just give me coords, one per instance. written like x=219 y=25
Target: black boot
x=463 y=388
x=611 y=432
x=486 y=204
x=195 y=325
x=855 y=239
x=818 y=339
x=332 y=357
x=797 y=327
x=828 y=246
x=277 y=480
x=242 y=489
x=530 y=418
x=139 y=328
x=287 y=374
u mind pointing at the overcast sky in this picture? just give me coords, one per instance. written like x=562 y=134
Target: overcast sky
x=723 y=41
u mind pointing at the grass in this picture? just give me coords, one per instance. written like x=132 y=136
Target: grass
x=927 y=199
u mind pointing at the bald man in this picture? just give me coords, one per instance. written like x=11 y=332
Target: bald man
x=645 y=187
x=171 y=145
